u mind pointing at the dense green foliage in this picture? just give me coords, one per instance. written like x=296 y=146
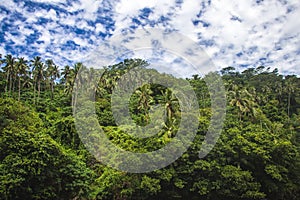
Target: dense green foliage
x=42 y=157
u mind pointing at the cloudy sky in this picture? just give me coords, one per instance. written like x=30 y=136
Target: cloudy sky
x=244 y=33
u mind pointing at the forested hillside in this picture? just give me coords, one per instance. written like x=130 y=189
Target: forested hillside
x=42 y=157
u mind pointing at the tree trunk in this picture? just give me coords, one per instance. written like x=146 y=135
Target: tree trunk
x=7 y=82
x=74 y=98
x=289 y=105
x=33 y=92
x=39 y=89
x=13 y=85
x=19 y=97
x=52 y=89
x=10 y=85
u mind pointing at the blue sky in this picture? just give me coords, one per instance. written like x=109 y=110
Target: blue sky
x=242 y=33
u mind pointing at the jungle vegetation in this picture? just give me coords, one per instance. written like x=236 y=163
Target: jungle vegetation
x=42 y=156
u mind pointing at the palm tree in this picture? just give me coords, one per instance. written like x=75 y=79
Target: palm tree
x=290 y=89
x=21 y=67
x=38 y=73
x=49 y=64
x=9 y=69
x=75 y=75
x=53 y=72
x=27 y=80
x=170 y=102
x=92 y=76
x=55 y=75
x=279 y=89
x=69 y=85
x=145 y=100
x=243 y=100
x=66 y=73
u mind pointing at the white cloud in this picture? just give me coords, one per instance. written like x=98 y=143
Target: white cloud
x=9 y=4
x=68 y=20
x=82 y=24
x=80 y=41
x=2 y=51
x=258 y=26
x=18 y=40
x=126 y=9
x=25 y=31
x=89 y=7
x=267 y=26
x=100 y=28
x=183 y=18
x=131 y=7
x=45 y=37
x=50 y=15
x=50 y=1
x=292 y=24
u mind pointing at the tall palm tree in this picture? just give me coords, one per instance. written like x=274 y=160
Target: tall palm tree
x=279 y=89
x=66 y=74
x=71 y=75
x=21 y=67
x=53 y=73
x=243 y=100
x=70 y=83
x=91 y=77
x=75 y=75
x=27 y=80
x=9 y=69
x=38 y=73
x=106 y=82
x=145 y=100
x=171 y=104
x=49 y=64
x=290 y=89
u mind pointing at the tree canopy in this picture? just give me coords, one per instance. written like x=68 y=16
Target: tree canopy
x=43 y=157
